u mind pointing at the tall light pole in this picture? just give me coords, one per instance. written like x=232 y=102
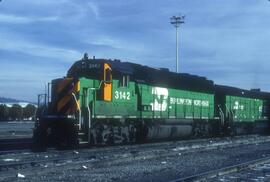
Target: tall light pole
x=176 y=21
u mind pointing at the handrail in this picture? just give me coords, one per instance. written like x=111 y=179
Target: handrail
x=102 y=81
x=221 y=115
x=88 y=108
x=89 y=116
x=78 y=107
x=229 y=111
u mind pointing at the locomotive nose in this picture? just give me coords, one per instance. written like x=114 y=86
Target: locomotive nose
x=67 y=96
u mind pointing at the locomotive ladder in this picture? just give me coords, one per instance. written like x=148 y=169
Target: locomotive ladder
x=84 y=123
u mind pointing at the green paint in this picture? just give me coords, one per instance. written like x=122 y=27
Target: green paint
x=243 y=109
x=144 y=101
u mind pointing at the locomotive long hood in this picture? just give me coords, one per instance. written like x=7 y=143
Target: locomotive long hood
x=92 y=68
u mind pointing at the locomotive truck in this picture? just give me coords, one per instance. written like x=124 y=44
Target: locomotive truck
x=105 y=102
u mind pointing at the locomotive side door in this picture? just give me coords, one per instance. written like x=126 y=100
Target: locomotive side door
x=107 y=84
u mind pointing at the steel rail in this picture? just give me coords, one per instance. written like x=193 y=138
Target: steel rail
x=18 y=143
x=224 y=171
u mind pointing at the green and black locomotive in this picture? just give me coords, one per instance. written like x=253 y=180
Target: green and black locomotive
x=103 y=102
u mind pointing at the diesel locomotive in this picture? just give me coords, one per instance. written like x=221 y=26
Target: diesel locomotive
x=104 y=102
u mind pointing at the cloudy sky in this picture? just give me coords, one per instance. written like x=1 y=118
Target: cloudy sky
x=227 y=40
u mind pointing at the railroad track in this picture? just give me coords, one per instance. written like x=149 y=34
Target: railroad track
x=177 y=146
x=37 y=163
x=29 y=163
x=208 y=175
x=15 y=143
x=9 y=144
x=143 y=151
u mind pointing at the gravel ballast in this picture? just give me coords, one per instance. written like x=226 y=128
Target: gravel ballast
x=165 y=163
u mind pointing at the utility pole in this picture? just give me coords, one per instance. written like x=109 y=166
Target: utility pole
x=176 y=21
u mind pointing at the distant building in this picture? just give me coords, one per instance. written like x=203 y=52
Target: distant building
x=22 y=104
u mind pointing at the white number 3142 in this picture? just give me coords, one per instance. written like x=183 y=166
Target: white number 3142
x=122 y=95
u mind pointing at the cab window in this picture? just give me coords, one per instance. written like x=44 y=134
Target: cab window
x=108 y=76
x=124 y=81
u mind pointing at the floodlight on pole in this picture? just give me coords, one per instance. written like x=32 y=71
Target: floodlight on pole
x=176 y=21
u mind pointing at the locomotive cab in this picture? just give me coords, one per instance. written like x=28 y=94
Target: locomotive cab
x=68 y=111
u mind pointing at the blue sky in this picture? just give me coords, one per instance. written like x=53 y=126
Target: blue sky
x=227 y=40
